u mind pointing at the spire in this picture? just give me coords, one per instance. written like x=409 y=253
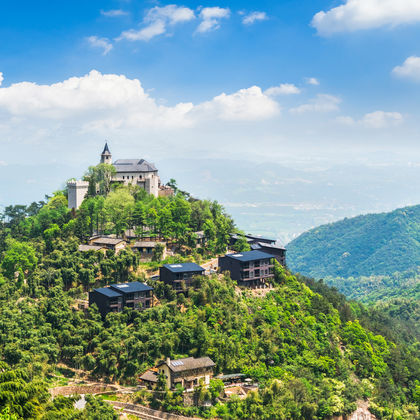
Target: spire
x=106 y=149
x=106 y=155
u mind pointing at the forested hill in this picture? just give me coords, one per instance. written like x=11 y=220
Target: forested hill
x=313 y=354
x=373 y=244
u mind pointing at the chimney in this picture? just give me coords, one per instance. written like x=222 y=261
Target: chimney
x=168 y=361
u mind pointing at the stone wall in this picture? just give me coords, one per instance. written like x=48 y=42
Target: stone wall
x=82 y=389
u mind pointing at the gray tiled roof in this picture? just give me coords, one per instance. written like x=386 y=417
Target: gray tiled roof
x=134 y=165
x=149 y=376
x=107 y=291
x=183 y=267
x=272 y=246
x=134 y=286
x=107 y=241
x=147 y=244
x=189 y=363
x=250 y=256
x=83 y=247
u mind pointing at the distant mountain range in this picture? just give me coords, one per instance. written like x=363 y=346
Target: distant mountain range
x=373 y=244
x=280 y=199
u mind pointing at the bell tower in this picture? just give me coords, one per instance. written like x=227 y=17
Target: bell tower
x=106 y=156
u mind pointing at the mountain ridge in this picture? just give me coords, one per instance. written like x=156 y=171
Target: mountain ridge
x=365 y=245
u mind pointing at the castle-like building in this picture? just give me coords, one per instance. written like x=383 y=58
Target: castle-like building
x=128 y=171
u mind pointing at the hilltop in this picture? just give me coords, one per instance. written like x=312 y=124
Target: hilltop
x=373 y=244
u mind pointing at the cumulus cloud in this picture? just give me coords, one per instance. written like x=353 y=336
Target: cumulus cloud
x=312 y=81
x=1 y=78
x=322 y=103
x=156 y=22
x=103 y=43
x=114 y=13
x=245 y=105
x=108 y=101
x=381 y=119
x=376 y=119
x=355 y=15
x=210 y=18
x=283 y=89
x=171 y=13
x=410 y=69
x=253 y=17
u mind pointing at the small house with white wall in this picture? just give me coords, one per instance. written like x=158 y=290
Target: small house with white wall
x=188 y=372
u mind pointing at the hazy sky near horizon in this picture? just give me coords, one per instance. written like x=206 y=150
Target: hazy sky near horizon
x=309 y=82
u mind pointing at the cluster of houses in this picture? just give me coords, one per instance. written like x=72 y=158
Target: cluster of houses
x=249 y=269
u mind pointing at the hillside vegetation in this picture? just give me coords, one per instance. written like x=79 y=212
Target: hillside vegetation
x=373 y=244
x=313 y=353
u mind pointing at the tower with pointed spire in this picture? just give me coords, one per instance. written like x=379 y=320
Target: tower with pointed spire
x=138 y=172
x=106 y=156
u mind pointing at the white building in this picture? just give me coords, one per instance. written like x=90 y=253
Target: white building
x=77 y=191
x=128 y=171
x=134 y=171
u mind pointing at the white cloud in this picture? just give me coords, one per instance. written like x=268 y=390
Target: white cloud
x=322 y=103
x=107 y=101
x=144 y=34
x=1 y=78
x=366 y=14
x=171 y=13
x=376 y=119
x=253 y=17
x=382 y=119
x=102 y=43
x=210 y=18
x=157 y=21
x=410 y=69
x=312 y=81
x=114 y=13
x=283 y=89
x=245 y=105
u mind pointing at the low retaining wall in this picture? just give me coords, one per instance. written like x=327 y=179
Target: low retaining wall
x=139 y=409
x=82 y=389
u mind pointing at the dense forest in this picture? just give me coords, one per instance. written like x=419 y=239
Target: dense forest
x=313 y=353
x=373 y=244
x=374 y=259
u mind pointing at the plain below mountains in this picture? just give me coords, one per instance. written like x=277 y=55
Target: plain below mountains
x=368 y=245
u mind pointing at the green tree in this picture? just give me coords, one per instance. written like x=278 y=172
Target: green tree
x=118 y=207
x=19 y=256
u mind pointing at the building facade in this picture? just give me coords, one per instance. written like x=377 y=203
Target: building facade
x=187 y=373
x=146 y=249
x=180 y=276
x=115 y=244
x=250 y=268
x=116 y=297
x=128 y=171
x=278 y=252
x=133 y=171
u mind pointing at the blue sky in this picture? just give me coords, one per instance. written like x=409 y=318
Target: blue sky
x=308 y=83
x=46 y=43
